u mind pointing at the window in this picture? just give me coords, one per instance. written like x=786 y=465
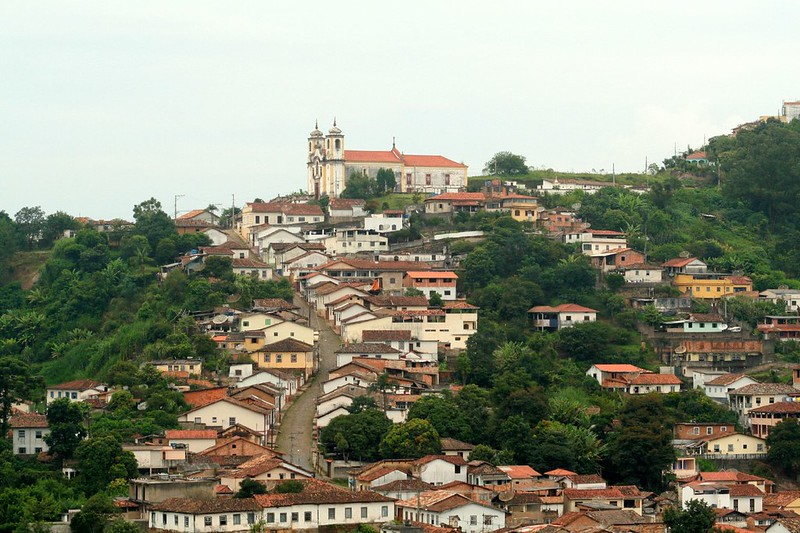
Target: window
x=278 y=358
x=21 y=434
x=270 y=518
x=198 y=420
x=348 y=513
x=245 y=322
x=232 y=421
x=331 y=513
x=458 y=469
x=38 y=434
x=175 y=520
x=266 y=358
x=427 y=179
x=39 y=450
x=207 y=521
x=709 y=430
x=213 y=419
x=695 y=431
x=307 y=516
x=384 y=511
x=724 y=429
x=293 y=358
x=447 y=179
x=283 y=517
x=251 y=518
x=487 y=519
x=258 y=219
x=473 y=520
x=294 y=517
x=185 y=521
x=237 y=519
x=363 y=512
x=730 y=447
x=223 y=520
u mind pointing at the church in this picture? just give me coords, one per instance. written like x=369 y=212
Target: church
x=329 y=165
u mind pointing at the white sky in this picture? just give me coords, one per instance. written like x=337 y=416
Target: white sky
x=105 y=104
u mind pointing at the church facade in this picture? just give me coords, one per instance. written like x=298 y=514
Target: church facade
x=329 y=165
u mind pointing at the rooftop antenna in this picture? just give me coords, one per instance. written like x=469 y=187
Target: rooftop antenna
x=393 y=139
x=175 y=207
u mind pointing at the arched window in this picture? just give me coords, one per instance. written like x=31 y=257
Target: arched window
x=338 y=143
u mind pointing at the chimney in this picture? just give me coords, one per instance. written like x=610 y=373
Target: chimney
x=751 y=524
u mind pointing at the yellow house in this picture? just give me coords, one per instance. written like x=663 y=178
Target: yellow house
x=287 y=354
x=711 y=285
x=190 y=366
x=736 y=444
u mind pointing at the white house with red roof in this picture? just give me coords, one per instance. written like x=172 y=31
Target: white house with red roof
x=605 y=373
x=440 y=469
x=194 y=440
x=28 y=431
x=547 y=318
x=429 y=282
x=330 y=164
x=78 y=390
x=597 y=241
x=633 y=380
x=455 y=202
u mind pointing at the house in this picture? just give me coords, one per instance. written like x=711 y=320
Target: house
x=429 y=282
x=389 y=273
x=347 y=352
x=547 y=318
x=483 y=474
x=702 y=430
x=193 y=440
x=456 y=447
x=685 y=265
x=741 y=497
x=789 y=297
x=616 y=259
x=330 y=165
x=451 y=203
x=520 y=475
x=596 y=241
x=605 y=374
x=215 y=235
x=607 y=520
x=193 y=515
x=227 y=412
x=743 y=399
x=265 y=468
x=320 y=506
x=78 y=390
x=287 y=354
x=156 y=459
x=783 y=328
x=718 y=388
x=28 y=431
x=277 y=214
x=387 y=222
x=400 y=340
x=784 y=525
x=253 y=268
x=697 y=323
x=234 y=451
x=256 y=340
x=156 y=489
x=287 y=383
x=647 y=382
x=347 y=208
x=191 y=366
x=200 y=397
x=200 y=214
x=349 y=241
x=440 y=469
x=735 y=446
x=711 y=285
x=558 y=223
x=641 y=273
x=621 y=497
x=402 y=489
x=698 y=157
x=762 y=419
x=445 y=508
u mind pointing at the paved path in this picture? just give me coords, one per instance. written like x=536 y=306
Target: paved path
x=295 y=433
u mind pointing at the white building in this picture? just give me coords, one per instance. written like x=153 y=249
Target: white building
x=330 y=165
x=449 y=509
x=28 y=432
x=354 y=241
x=385 y=222
x=194 y=515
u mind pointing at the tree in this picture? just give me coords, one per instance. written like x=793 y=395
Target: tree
x=642 y=433
x=506 y=164
x=30 y=221
x=385 y=180
x=65 y=418
x=102 y=460
x=444 y=415
x=153 y=223
x=359 y=186
x=16 y=383
x=55 y=225
x=411 y=440
x=435 y=299
x=120 y=525
x=94 y=514
x=784 y=446
x=291 y=486
x=698 y=517
x=357 y=435
x=250 y=487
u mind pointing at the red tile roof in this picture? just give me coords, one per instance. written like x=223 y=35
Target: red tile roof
x=780 y=407
x=725 y=379
x=78 y=384
x=655 y=379
x=458 y=197
x=679 y=262
x=431 y=274
x=372 y=335
x=560 y=472
x=206 y=506
x=199 y=398
x=318 y=492
x=430 y=161
x=28 y=420
x=191 y=214
x=563 y=308
x=371 y=156
x=519 y=471
x=616 y=368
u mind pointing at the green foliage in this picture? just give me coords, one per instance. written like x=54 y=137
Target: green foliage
x=410 y=440
x=443 y=413
x=615 y=281
x=385 y=181
x=102 y=460
x=16 y=382
x=94 y=515
x=784 y=447
x=250 y=487
x=121 y=525
x=67 y=430
x=484 y=452
x=506 y=164
x=698 y=517
x=594 y=342
x=356 y=436
x=641 y=433
x=360 y=186
x=291 y=486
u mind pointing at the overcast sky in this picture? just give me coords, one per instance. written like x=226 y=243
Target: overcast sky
x=105 y=104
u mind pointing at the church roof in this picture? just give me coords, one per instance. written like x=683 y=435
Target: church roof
x=371 y=156
x=395 y=156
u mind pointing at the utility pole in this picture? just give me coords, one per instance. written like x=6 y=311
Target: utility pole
x=613 y=175
x=233 y=211
x=175 y=208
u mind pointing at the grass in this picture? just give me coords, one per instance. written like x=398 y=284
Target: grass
x=396 y=200
x=24 y=267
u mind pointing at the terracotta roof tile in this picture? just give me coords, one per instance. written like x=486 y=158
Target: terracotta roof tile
x=28 y=420
x=372 y=335
x=318 y=492
x=190 y=434
x=563 y=308
x=206 y=506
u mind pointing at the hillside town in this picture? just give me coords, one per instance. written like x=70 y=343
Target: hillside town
x=331 y=362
